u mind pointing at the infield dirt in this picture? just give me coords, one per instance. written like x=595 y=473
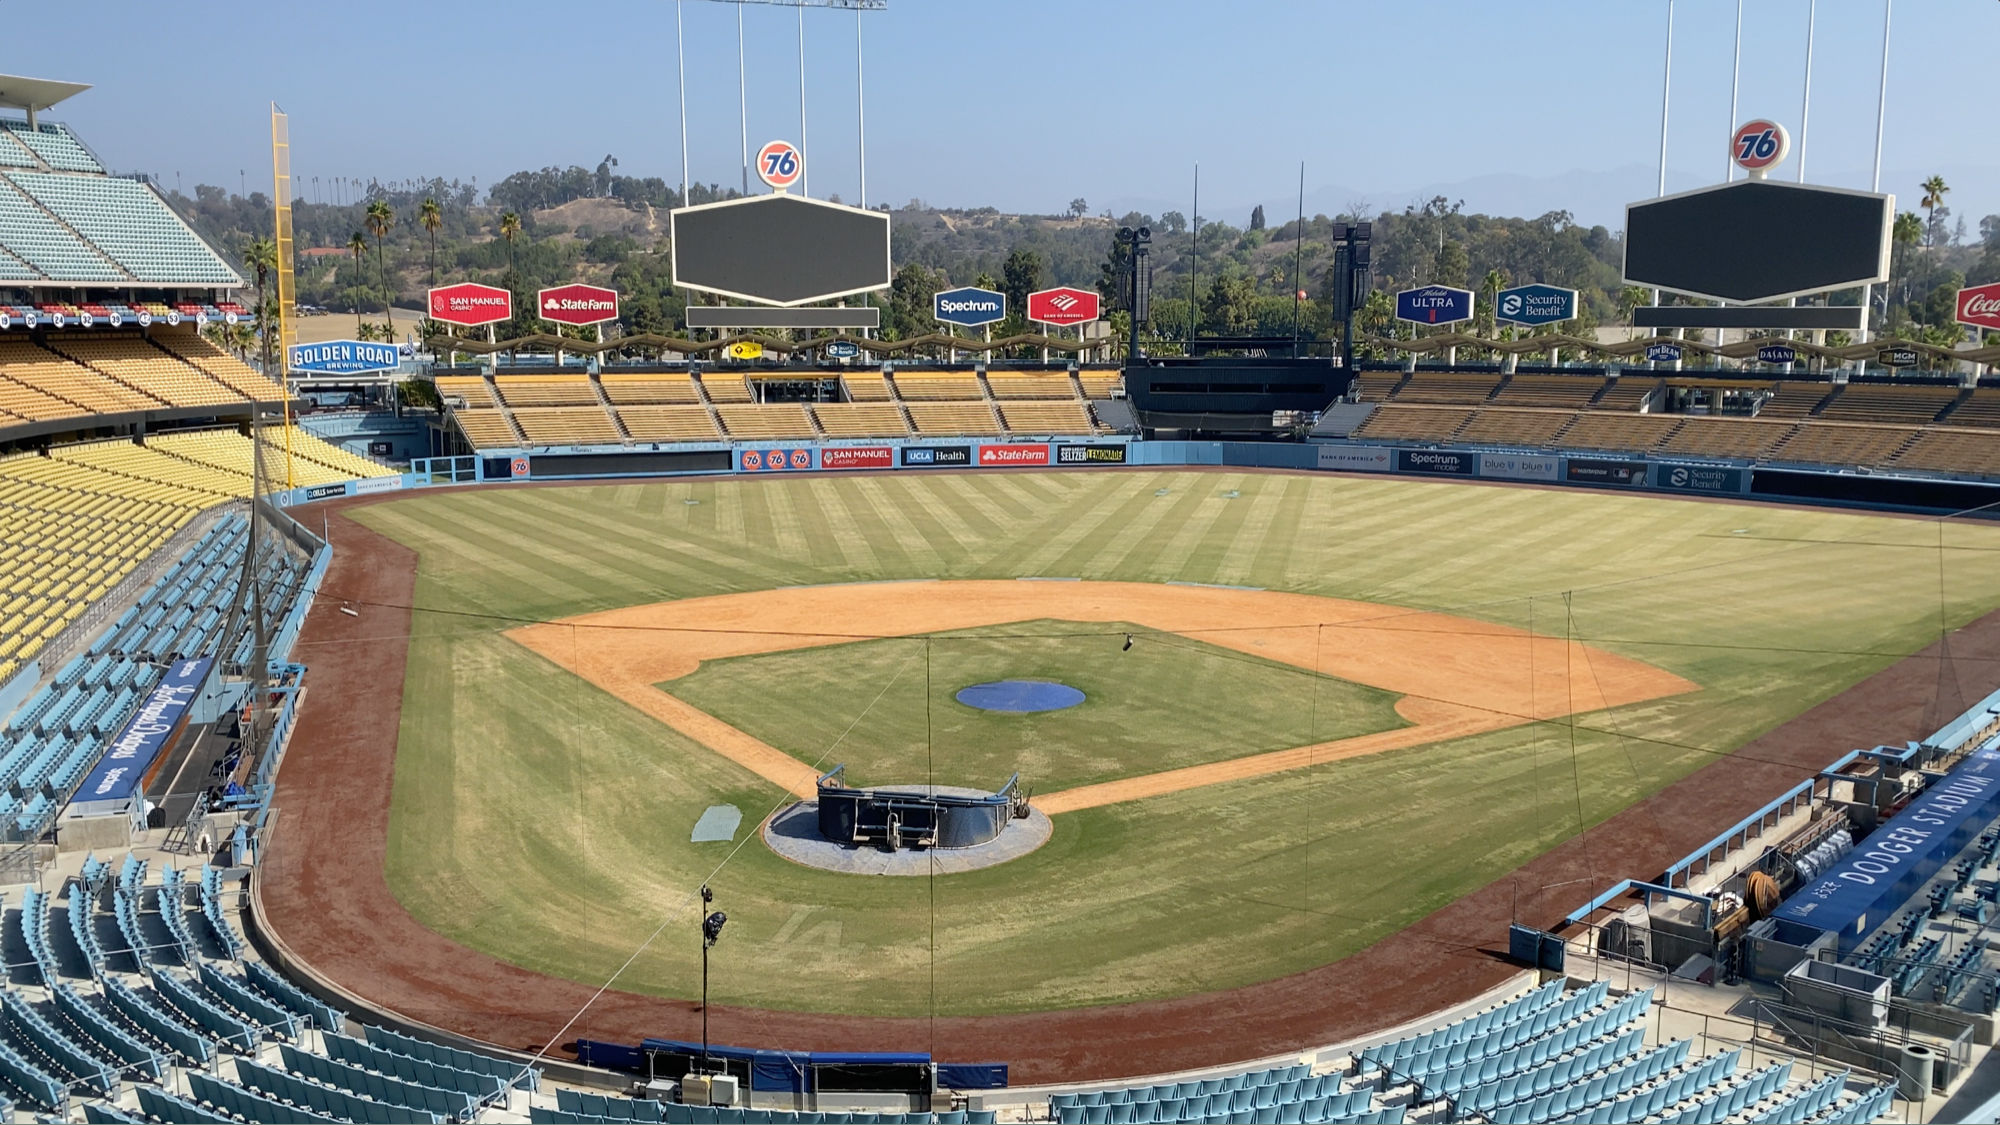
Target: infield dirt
x=1456 y=676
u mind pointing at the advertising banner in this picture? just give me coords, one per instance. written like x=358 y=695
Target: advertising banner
x=856 y=457
x=1520 y=466
x=577 y=304
x=1979 y=306
x=936 y=456
x=1064 y=305
x=377 y=484
x=1356 y=458
x=1090 y=454
x=1436 y=461
x=323 y=491
x=774 y=460
x=1434 y=304
x=993 y=456
x=342 y=357
x=1697 y=478
x=1627 y=474
x=969 y=306
x=470 y=303
x=1663 y=353
x=144 y=737
x=1535 y=304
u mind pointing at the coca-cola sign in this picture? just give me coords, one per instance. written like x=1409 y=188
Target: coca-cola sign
x=1979 y=306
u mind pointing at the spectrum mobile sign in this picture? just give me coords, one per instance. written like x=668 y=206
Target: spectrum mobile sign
x=969 y=306
x=577 y=304
x=471 y=304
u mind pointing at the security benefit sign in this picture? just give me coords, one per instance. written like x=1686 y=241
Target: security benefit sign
x=342 y=357
x=1697 y=478
x=122 y=772
x=1535 y=304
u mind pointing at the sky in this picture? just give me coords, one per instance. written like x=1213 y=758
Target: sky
x=1025 y=105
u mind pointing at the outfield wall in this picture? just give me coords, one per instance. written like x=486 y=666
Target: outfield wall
x=1605 y=471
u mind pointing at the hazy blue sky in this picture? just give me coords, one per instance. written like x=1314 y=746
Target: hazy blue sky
x=1025 y=104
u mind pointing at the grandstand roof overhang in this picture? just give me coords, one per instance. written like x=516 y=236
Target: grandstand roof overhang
x=35 y=94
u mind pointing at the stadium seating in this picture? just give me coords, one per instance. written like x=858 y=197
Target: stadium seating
x=1953 y=450
x=648 y=423
x=1793 y=400
x=1980 y=408
x=1030 y=384
x=24 y=363
x=54 y=144
x=519 y=391
x=861 y=419
x=643 y=390
x=952 y=419
x=1070 y=417
x=1727 y=437
x=723 y=386
x=566 y=425
x=1829 y=443
x=1885 y=402
x=1496 y=426
x=936 y=386
x=1413 y=423
x=1604 y=430
x=51 y=249
x=775 y=420
x=220 y=365
x=1447 y=387
x=133 y=361
x=485 y=428
x=1627 y=392
x=1100 y=383
x=1572 y=392
x=866 y=386
x=126 y=221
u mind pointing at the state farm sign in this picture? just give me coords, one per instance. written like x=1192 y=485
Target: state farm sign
x=1013 y=455
x=1979 y=306
x=577 y=304
x=470 y=303
x=1062 y=306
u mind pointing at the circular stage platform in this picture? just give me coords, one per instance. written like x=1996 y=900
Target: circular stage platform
x=1020 y=696
x=793 y=832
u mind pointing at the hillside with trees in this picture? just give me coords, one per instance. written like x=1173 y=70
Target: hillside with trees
x=556 y=225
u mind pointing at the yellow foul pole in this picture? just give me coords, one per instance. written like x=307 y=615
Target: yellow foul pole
x=288 y=332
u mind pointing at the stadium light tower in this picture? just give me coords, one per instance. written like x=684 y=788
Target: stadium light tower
x=742 y=96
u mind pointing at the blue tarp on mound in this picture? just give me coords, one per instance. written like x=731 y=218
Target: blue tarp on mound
x=1883 y=871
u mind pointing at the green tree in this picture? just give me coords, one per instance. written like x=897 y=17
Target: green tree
x=357 y=246
x=1933 y=198
x=261 y=259
x=380 y=219
x=1078 y=208
x=909 y=307
x=1905 y=232
x=1450 y=266
x=1229 y=306
x=1020 y=276
x=1485 y=312
x=1630 y=297
x=431 y=216
x=510 y=229
x=1257 y=217
x=1174 y=222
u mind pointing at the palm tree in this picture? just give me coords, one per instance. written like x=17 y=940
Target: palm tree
x=1934 y=193
x=432 y=217
x=510 y=229
x=380 y=218
x=261 y=258
x=1905 y=231
x=357 y=246
x=1629 y=300
x=1489 y=286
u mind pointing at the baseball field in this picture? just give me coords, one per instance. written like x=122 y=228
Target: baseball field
x=1346 y=702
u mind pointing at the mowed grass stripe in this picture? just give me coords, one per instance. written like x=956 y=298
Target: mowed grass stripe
x=525 y=806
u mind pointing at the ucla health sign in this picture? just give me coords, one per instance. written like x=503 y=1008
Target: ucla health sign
x=342 y=357
x=122 y=772
x=969 y=306
x=1535 y=304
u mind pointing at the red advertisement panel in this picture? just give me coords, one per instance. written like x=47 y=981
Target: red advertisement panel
x=857 y=457
x=577 y=304
x=471 y=303
x=1979 y=306
x=1064 y=305
x=998 y=455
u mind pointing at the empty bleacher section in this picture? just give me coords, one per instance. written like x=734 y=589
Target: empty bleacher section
x=220 y=365
x=1071 y=417
x=775 y=420
x=1413 y=423
x=130 y=224
x=1831 y=443
x=51 y=249
x=518 y=391
x=1447 y=387
x=1515 y=427
x=1953 y=450
x=937 y=386
x=1980 y=408
x=1911 y=405
x=861 y=419
x=1571 y=392
x=952 y=419
x=1550 y=1054
x=726 y=386
x=1030 y=384
x=866 y=386
x=1627 y=392
x=1727 y=437
x=566 y=425
x=1099 y=383
x=644 y=423
x=30 y=366
x=133 y=361
x=54 y=144
x=1792 y=400
x=1604 y=430
x=648 y=390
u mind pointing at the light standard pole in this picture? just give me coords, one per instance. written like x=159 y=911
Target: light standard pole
x=1138 y=243
x=711 y=929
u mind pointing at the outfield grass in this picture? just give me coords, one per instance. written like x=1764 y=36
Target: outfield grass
x=543 y=821
x=886 y=708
